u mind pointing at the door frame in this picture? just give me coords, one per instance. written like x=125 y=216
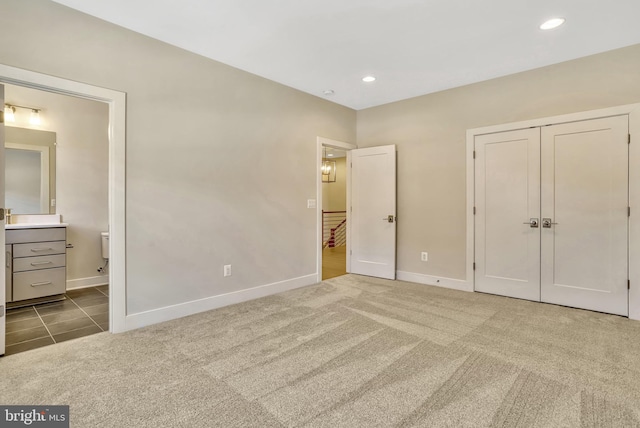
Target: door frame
x=117 y=192
x=633 y=112
x=320 y=143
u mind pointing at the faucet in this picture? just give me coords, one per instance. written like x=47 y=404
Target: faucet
x=7 y=216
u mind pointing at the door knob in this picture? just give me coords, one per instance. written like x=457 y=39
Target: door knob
x=389 y=218
x=532 y=223
x=546 y=223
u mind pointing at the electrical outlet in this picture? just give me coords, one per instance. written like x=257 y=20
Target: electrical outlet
x=227 y=270
x=424 y=256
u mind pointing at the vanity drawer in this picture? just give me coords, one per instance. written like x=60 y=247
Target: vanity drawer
x=38 y=283
x=40 y=262
x=39 y=249
x=19 y=236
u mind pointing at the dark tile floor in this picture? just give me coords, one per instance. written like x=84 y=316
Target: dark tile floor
x=84 y=312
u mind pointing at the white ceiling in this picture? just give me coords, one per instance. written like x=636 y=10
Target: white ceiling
x=413 y=47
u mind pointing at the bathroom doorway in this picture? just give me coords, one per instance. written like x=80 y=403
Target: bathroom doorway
x=79 y=198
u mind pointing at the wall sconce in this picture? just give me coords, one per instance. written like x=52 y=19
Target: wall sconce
x=328 y=169
x=10 y=114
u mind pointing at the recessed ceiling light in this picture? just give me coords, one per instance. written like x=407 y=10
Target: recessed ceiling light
x=330 y=155
x=368 y=79
x=328 y=92
x=552 y=23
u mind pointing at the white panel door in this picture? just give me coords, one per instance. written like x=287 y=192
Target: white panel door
x=373 y=211
x=3 y=297
x=585 y=198
x=507 y=200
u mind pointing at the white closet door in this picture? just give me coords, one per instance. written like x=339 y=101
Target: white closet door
x=507 y=246
x=584 y=182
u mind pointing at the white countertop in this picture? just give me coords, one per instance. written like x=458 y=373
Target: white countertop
x=34 y=225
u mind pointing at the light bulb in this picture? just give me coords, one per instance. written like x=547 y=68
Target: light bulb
x=35 y=117
x=552 y=23
x=9 y=113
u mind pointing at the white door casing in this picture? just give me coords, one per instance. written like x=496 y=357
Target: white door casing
x=584 y=183
x=3 y=297
x=373 y=211
x=507 y=180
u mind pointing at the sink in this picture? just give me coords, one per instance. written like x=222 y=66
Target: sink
x=19 y=221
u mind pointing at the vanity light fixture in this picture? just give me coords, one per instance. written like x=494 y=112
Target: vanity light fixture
x=9 y=113
x=368 y=79
x=552 y=23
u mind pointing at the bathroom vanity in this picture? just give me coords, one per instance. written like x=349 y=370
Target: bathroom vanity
x=35 y=261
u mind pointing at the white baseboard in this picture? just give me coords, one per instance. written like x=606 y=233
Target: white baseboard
x=452 y=283
x=73 y=284
x=167 y=313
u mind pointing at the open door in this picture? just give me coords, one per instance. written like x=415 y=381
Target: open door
x=373 y=212
x=3 y=297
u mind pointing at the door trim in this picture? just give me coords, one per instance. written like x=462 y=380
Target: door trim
x=320 y=143
x=117 y=191
x=633 y=112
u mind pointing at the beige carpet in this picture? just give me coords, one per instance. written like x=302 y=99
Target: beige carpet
x=350 y=352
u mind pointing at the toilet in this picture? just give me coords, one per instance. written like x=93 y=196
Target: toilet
x=105 y=245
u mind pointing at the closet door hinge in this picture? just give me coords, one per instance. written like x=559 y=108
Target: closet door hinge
x=628 y=284
x=628 y=211
x=474 y=154
x=474 y=210
x=629 y=139
x=474 y=265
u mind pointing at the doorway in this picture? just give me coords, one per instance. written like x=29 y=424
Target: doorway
x=116 y=101
x=72 y=189
x=552 y=214
x=370 y=208
x=333 y=194
x=334 y=212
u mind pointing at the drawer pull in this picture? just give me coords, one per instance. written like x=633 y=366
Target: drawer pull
x=37 y=284
x=37 y=250
x=41 y=263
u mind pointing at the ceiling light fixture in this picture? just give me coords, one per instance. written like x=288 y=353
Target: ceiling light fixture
x=368 y=79
x=552 y=23
x=328 y=92
x=328 y=169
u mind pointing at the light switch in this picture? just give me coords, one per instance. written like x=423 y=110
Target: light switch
x=311 y=203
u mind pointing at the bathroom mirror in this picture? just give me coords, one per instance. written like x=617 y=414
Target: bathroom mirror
x=30 y=171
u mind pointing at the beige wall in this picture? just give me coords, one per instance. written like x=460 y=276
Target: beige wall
x=202 y=139
x=430 y=133
x=334 y=195
x=82 y=171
